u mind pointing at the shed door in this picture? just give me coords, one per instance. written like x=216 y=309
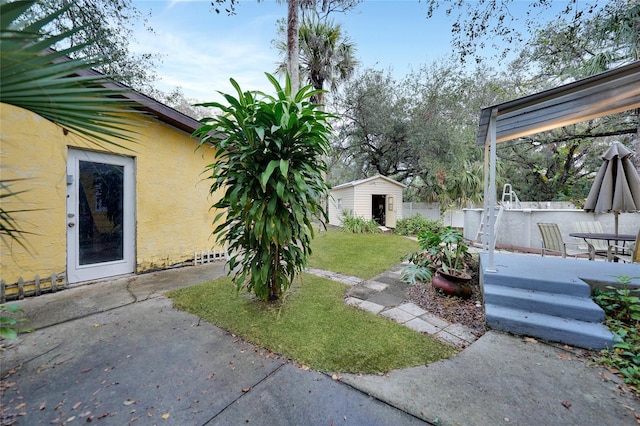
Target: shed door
x=100 y=215
x=390 y=212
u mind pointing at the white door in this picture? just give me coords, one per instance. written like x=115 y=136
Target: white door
x=390 y=212
x=100 y=215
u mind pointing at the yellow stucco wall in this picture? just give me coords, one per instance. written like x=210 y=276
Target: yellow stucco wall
x=172 y=199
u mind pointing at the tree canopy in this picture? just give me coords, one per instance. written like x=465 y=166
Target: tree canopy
x=422 y=129
x=502 y=25
x=419 y=130
x=607 y=38
x=101 y=28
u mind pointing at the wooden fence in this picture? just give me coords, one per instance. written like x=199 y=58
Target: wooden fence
x=22 y=289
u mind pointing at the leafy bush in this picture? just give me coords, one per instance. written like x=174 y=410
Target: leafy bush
x=10 y=326
x=269 y=165
x=416 y=224
x=444 y=249
x=622 y=307
x=358 y=225
x=415 y=273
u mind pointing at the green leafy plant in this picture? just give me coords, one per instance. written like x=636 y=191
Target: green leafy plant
x=452 y=251
x=621 y=304
x=357 y=224
x=416 y=224
x=416 y=272
x=445 y=250
x=9 y=325
x=269 y=165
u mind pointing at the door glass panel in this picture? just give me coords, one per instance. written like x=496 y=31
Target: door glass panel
x=100 y=199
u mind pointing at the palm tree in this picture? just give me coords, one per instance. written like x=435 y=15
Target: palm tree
x=49 y=83
x=325 y=55
x=293 y=47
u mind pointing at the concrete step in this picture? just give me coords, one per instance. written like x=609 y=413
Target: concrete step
x=561 y=305
x=543 y=282
x=549 y=327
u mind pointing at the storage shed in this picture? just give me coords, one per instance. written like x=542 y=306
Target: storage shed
x=378 y=198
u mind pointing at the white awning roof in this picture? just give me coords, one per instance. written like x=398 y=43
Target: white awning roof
x=596 y=96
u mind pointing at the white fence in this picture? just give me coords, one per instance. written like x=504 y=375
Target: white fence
x=208 y=256
x=431 y=211
x=426 y=210
x=518 y=227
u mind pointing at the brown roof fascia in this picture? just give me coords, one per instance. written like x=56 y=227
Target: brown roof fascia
x=146 y=103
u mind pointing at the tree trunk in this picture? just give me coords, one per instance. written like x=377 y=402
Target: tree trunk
x=292 y=45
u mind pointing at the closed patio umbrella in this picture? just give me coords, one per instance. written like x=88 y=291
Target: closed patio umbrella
x=616 y=187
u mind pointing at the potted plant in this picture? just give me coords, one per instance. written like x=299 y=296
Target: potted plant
x=445 y=254
x=454 y=253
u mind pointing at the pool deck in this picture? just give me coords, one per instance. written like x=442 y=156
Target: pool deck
x=553 y=268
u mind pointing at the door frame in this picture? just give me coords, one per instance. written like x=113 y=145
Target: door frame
x=378 y=216
x=75 y=271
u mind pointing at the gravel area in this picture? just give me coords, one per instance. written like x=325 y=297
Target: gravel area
x=469 y=312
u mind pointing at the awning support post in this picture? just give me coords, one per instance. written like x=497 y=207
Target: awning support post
x=491 y=135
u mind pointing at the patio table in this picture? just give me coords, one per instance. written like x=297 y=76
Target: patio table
x=603 y=236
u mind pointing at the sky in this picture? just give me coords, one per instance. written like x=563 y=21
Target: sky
x=201 y=50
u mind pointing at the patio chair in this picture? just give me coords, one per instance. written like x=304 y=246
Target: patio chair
x=552 y=242
x=599 y=246
x=628 y=254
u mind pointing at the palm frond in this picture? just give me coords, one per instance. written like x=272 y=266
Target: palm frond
x=10 y=229
x=55 y=86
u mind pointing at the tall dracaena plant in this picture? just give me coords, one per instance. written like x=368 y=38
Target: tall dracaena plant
x=269 y=163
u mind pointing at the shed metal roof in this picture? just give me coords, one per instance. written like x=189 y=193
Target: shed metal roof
x=602 y=94
x=362 y=181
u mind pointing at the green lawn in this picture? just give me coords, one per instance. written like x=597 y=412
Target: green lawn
x=360 y=255
x=313 y=325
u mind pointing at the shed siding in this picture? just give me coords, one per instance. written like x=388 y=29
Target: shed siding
x=335 y=212
x=359 y=196
x=363 y=200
